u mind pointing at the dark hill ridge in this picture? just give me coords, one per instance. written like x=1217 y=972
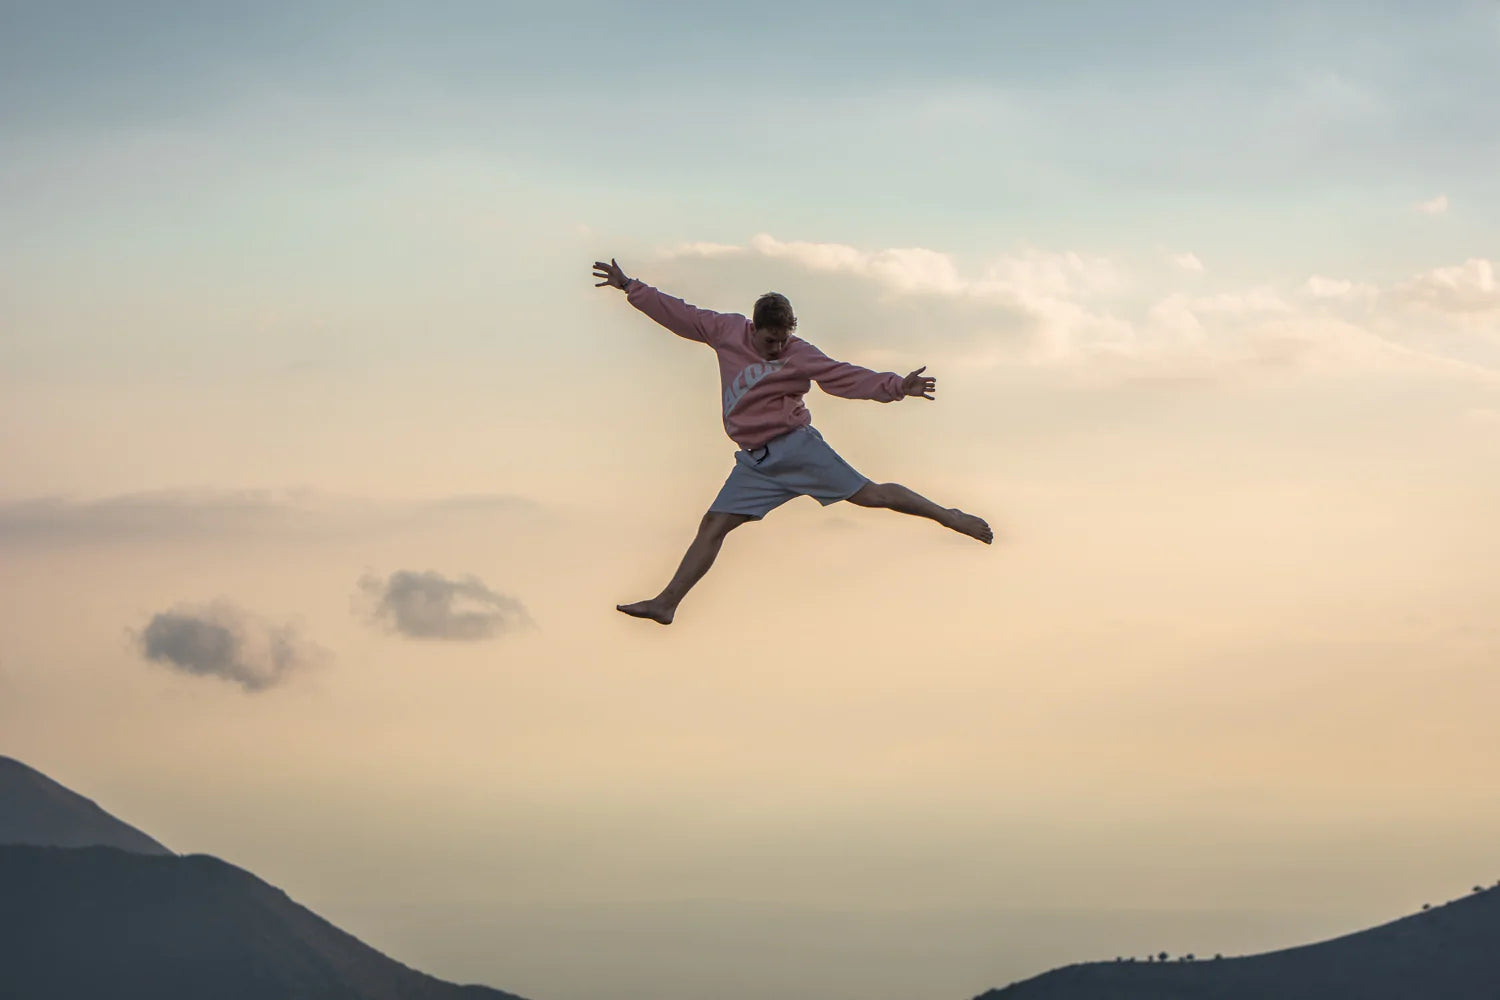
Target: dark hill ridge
x=1450 y=952
x=83 y=923
x=34 y=809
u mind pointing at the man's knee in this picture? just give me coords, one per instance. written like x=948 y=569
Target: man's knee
x=719 y=524
x=872 y=495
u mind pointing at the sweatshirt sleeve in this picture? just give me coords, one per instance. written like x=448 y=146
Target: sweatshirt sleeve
x=702 y=325
x=839 y=378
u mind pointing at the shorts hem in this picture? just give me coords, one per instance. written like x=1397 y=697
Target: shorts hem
x=840 y=499
x=741 y=513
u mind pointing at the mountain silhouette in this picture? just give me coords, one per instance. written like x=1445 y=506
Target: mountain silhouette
x=89 y=922
x=92 y=907
x=34 y=809
x=1450 y=951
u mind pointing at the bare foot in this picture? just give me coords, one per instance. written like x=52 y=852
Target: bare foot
x=648 y=609
x=968 y=524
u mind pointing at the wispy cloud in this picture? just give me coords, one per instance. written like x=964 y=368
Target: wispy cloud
x=1433 y=206
x=920 y=271
x=427 y=605
x=1469 y=289
x=709 y=249
x=222 y=641
x=1099 y=319
x=908 y=270
x=1320 y=287
x=184 y=514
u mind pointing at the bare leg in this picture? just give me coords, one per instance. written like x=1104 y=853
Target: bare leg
x=894 y=496
x=699 y=557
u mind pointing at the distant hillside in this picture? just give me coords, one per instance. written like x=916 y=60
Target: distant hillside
x=1450 y=952
x=84 y=923
x=34 y=809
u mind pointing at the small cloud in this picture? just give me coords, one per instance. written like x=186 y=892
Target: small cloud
x=430 y=606
x=1320 y=287
x=1468 y=289
x=910 y=270
x=705 y=250
x=222 y=641
x=1259 y=300
x=1433 y=206
x=1188 y=262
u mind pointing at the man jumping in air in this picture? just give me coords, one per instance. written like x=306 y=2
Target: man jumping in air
x=766 y=371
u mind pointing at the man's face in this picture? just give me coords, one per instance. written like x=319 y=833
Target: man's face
x=769 y=343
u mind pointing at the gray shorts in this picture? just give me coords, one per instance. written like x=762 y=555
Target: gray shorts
x=799 y=463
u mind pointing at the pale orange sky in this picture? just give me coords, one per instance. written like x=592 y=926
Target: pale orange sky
x=1233 y=652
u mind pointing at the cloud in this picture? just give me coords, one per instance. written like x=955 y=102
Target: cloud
x=1320 y=287
x=920 y=271
x=225 y=642
x=708 y=250
x=906 y=270
x=1465 y=290
x=1249 y=302
x=183 y=514
x=145 y=515
x=1433 y=206
x=1091 y=318
x=429 y=606
x=1036 y=305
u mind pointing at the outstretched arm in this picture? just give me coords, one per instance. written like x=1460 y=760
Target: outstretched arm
x=676 y=315
x=839 y=378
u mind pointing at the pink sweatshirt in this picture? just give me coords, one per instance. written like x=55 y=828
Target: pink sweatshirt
x=762 y=399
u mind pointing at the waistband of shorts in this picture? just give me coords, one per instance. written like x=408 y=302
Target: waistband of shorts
x=799 y=429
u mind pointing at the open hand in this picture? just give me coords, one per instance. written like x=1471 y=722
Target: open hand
x=611 y=273
x=916 y=384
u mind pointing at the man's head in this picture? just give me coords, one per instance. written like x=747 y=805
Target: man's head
x=774 y=322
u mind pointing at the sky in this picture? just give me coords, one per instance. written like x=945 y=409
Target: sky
x=323 y=463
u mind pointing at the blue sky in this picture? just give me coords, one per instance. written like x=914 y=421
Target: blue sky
x=1270 y=137
x=237 y=154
